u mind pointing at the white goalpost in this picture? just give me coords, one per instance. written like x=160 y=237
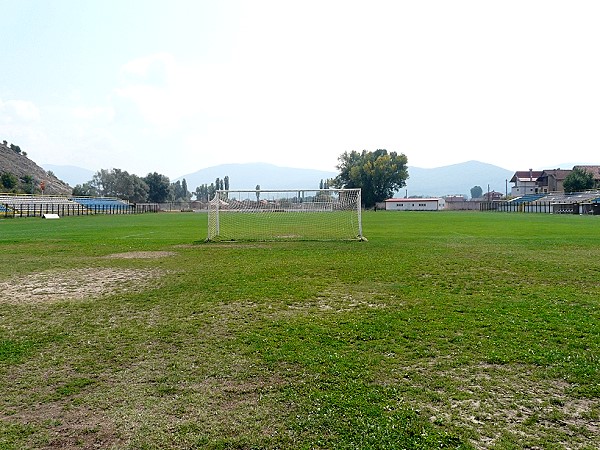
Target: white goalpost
x=288 y=214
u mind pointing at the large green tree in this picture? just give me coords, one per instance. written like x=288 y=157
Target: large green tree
x=158 y=187
x=179 y=191
x=85 y=190
x=476 y=192
x=379 y=174
x=578 y=180
x=203 y=192
x=119 y=183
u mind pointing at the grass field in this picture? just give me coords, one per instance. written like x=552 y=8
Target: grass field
x=444 y=330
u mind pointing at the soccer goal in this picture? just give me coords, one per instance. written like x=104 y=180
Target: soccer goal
x=275 y=215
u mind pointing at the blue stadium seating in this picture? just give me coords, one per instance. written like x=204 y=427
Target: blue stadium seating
x=99 y=202
x=527 y=198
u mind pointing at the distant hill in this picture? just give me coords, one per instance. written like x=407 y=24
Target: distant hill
x=20 y=165
x=247 y=176
x=447 y=180
x=456 y=179
x=71 y=174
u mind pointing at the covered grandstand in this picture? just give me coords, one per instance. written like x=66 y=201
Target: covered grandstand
x=552 y=203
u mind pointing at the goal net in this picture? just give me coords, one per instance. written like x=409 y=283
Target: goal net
x=273 y=215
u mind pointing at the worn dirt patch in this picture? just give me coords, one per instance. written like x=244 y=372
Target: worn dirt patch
x=75 y=284
x=493 y=401
x=69 y=427
x=141 y=255
x=340 y=299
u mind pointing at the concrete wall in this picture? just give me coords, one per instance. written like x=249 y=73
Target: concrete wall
x=463 y=206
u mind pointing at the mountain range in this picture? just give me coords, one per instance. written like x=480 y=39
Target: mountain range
x=446 y=180
x=268 y=176
x=71 y=174
x=457 y=179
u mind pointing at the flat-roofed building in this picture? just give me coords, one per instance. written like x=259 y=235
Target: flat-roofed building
x=414 y=204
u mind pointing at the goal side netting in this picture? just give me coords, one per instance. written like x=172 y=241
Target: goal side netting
x=273 y=215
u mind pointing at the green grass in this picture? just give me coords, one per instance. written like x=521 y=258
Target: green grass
x=444 y=330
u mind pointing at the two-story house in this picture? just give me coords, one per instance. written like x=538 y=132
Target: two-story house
x=552 y=180
x=525 y=182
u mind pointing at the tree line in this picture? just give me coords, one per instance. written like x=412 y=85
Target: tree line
x=153 y=188
x=205 y=192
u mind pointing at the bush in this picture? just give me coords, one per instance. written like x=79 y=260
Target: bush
x=9 y=180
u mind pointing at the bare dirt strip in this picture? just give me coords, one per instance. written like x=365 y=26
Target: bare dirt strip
x=79 y=284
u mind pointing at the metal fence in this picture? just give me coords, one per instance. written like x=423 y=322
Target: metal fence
x=183 y=206
x=537 y=207
x=72 y=209
x=542 y=207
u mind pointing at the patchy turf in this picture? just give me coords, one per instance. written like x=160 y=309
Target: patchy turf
x=444 y=330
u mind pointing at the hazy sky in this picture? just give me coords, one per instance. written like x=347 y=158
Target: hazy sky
x=175 y=86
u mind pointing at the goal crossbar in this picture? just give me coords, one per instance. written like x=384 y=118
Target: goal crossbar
x=285 y=214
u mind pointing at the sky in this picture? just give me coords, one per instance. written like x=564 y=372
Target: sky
x=174 y=86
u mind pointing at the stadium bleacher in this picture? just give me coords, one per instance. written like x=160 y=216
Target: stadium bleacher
x=577 y=197
x=23 y=204
x=527 y=199
x=101 y=203
x=32 y=199
x=36 y=205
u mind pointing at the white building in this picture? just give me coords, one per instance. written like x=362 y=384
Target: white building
x=415 y=204
x=525 y=182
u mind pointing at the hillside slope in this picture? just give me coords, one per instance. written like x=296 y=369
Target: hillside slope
x=20 y=165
